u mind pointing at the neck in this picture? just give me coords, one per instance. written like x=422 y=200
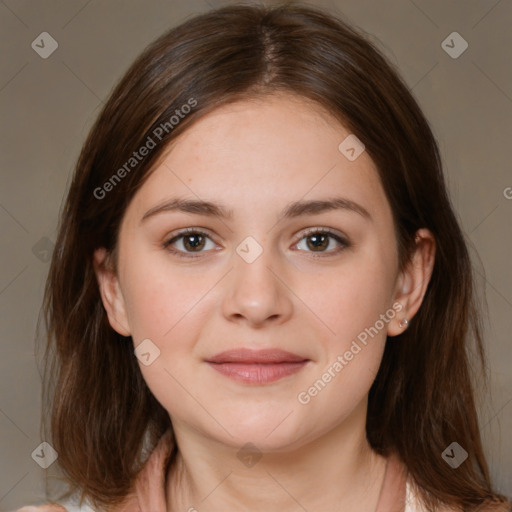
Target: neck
x=336 y=471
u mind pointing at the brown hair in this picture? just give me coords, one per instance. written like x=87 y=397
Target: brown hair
x=423 y=396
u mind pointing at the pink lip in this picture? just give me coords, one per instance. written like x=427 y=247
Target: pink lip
x=257 y=366
x=245 y=355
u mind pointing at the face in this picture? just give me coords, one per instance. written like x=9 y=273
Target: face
x=278 y=271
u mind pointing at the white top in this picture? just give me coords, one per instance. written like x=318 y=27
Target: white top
x=412 y=502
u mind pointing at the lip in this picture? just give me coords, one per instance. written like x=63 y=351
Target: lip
x=263 y=356
x=257 y=366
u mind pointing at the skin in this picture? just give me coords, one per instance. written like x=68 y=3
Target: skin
x=256 y=157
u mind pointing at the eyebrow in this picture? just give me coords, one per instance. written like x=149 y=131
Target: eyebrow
x=292 y=210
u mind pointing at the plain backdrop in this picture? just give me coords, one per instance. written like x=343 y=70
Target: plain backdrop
x=48 y=105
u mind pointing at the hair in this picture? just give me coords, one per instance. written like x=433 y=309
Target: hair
x=101 y=412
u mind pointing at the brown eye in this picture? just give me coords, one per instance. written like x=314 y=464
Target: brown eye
x=191 y=241
x=319 y=240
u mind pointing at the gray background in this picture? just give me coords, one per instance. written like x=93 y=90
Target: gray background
x=48 y=105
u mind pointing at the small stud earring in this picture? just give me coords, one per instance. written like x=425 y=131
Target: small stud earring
x=403 y=323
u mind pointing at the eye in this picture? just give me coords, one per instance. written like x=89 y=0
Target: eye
x=319 y=240
x=193 y=240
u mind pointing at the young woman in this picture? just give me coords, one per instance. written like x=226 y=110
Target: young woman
x=260 y=297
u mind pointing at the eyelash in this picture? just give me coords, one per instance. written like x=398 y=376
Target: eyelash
x=311 y=231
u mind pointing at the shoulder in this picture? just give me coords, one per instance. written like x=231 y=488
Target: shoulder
x=49 y=507
x=414 y=504
x=67 y=506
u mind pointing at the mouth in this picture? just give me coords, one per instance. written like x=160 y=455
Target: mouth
x=257 y=366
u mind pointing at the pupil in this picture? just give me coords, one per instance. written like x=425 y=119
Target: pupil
x=196 y=241
x=318 y=241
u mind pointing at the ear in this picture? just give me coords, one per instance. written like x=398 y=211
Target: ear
x=412 y=283
x=110 y=291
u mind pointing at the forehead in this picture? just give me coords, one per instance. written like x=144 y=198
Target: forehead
x=257 y=155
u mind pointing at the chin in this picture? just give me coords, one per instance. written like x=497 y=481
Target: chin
x=269 y=434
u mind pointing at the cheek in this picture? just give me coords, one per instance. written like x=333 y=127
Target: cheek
x=356 y=309
x=167 y=309
x=160 y=299
x=342 y=387
x=363 y=314
x=352 y=298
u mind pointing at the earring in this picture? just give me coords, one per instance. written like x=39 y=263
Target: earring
x=403 y=323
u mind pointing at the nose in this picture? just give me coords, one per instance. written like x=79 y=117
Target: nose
x=256 y=292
